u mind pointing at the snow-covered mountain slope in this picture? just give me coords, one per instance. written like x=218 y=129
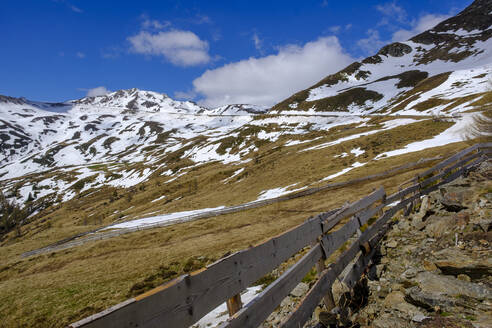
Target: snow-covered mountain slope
x=445 y=69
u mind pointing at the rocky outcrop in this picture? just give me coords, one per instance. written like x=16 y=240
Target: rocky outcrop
x=395 y=49
x=434 y=268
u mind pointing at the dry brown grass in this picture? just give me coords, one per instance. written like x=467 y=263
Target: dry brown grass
x=58 y=288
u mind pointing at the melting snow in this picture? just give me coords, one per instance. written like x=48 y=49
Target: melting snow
x=353 y=166
x=455 y=133
x=158 y=199
x=357 y=151
x=276 y=192
x=220 y=313
x=159 y=219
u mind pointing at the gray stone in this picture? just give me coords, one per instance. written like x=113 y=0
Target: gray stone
x=448 y=285
x=409 y=273
x=389 y=320
x=379 y=269
x=300 y=290
x=437 y=226
x=419 y=317
x=452 y=261
x=392 y=244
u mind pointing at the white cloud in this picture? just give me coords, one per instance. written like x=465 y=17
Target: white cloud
x=76 y=9
x=186 y=95
x=202 y=19
x=391 y=9
x=257 y=41
x=182 y=48
x=372 y=43
x=267 y=80
x=154 y=24
x=418 y=26
x=334 y=29
x=80 y=54
x=98 y=91
x=70 y=6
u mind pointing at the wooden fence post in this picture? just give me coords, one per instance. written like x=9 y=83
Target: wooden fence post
x=234 y=304
x=328 y=298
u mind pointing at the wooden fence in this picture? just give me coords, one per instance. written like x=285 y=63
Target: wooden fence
x=185 y=300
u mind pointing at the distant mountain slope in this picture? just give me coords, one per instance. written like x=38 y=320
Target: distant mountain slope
x=445 y=69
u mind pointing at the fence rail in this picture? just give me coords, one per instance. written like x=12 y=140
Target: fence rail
x=185 y=300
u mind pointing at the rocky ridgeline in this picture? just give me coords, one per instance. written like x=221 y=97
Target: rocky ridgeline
x=434 y=268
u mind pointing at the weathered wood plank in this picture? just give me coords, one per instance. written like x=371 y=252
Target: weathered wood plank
x=359 y=266
x=402 y=193
x=255 y=312
x=353 y=208
x=427 y=182
x=449 y=160
x=452 y=176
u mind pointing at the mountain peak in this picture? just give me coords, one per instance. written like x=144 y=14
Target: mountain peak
x=440 y=69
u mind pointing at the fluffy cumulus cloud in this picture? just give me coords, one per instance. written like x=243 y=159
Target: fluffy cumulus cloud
x=182 y=48
x=98 y=91
x=418 y=26
x=267 y=80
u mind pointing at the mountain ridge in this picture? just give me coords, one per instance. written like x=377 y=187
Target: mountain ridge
x=358 y=88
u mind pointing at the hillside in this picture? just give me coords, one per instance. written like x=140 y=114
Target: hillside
x=97 y=164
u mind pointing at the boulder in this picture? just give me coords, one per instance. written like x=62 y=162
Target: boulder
x=451 y=286
x=437 y=226
x=452 y=201
x=452 y=261
x=396 y=300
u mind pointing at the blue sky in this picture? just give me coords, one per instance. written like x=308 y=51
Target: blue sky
x=214 y=52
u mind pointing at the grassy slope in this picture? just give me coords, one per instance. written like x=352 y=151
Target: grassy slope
x=58 y=288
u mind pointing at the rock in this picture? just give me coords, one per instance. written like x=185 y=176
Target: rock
x=462 y=218
x=396 y=287
x=338 y=288
x=409 y=273
x=286 y=302
x=483 y=221
x=379 y=269
x=391 y=321
x=428 y=300
x=300 y=290
x=395 y=49
x=452 y=201
x=327 y=318
x=448 y=285
x=393 y=298
x=452 y=261
x=437 y=226
x=463 y=277
x=429 y=266
x=424 y=206
x=483 y=321
x=419 y=317
x=392 y=244
x=396 y=300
